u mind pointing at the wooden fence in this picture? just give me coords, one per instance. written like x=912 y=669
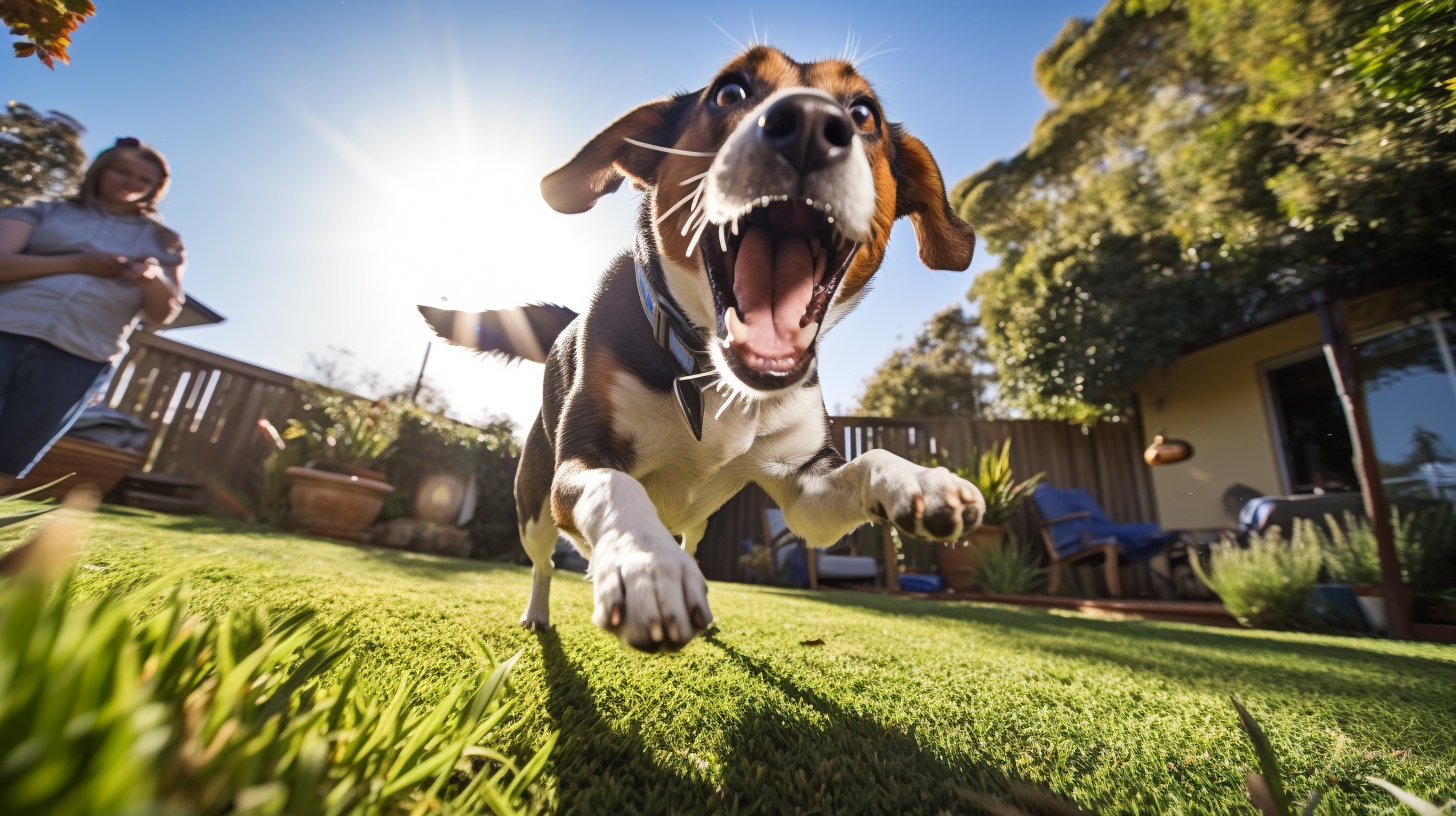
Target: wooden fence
x=203 y=409
x=1105 y=459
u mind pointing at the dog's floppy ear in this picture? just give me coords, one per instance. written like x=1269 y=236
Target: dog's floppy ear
x=599 y=167
x=946 y=242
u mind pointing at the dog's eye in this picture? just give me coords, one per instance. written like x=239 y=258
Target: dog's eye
x=863 y=116
x=730 y=93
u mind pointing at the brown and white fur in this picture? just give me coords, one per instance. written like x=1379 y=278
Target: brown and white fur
x=768 y=198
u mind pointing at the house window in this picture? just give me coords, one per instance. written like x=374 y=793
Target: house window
x=1410 y=390
x=1314 y=438
x=1409 y=378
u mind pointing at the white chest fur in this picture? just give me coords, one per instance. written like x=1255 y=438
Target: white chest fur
x=688 y=479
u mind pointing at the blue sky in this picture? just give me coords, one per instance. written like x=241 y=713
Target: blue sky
x=337 y=162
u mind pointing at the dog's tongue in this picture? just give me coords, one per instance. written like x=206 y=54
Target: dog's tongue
x=773 y=281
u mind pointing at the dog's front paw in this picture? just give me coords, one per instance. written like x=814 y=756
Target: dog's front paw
x=930 y=503
x=652 y=597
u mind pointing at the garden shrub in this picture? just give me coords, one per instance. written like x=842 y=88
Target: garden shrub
x=134 y=704
x=1425 y=543
x=1270 y=584
x=1010 y=569
x=430 y=444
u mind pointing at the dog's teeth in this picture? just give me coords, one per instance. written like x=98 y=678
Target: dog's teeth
x=737 y=329
x=735 y=226
x=809 y=201
x=831 y=219
x=722 y=238
x=828 y=207
x=805 y=335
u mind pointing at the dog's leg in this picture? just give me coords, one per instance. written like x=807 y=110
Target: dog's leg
x=830 y=497
x=648 y=590
x=690 y=538
x=538 y=537
x=538 y=531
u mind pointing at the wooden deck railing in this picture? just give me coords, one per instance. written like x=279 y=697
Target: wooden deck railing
x=203 y=409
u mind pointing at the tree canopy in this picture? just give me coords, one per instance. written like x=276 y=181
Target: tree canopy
x=40 y=154
x=45 y=25
x=1203 y=160
x=944 y=372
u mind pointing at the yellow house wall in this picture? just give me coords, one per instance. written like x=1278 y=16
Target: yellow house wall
x=1215 y=398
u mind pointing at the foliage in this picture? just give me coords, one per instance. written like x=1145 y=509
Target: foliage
x=1270 y=584
x=47 y=25
x=1202 y=162
x=1267 y=791
x=991 y=473
x=894 y=713
x=944 y=372
x=40 y=154
x=339 y=369
x=1266 y=788
x=433 y=445
x=131 y=704
x=1425 y=543
x=342 y=428
x=1010 y=569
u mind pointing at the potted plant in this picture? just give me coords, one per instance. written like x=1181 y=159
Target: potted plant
x=335 y=493
x=1422 y=542
x=991 y=473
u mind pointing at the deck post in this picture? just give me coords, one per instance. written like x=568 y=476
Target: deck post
x=1344 y=367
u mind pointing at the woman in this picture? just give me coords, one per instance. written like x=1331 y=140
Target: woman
x=74 y=277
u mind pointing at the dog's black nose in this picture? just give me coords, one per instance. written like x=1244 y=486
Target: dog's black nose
x=809 y=131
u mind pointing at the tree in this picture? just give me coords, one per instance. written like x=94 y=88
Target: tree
x=943 y=372
x=338 y=369
x=46 y=25
x=40 y=154
x=1202 y=161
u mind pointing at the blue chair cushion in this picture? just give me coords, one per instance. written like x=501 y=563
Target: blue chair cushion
x=1139 y=541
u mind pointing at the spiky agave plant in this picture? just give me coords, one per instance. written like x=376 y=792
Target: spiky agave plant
x=991 y=473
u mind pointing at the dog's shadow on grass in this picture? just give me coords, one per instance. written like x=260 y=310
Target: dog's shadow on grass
x=772 y=758
x=599 y=768
x=846 y=762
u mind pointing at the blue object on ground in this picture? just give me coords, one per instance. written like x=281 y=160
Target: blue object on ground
x=912 y=582
x=567 y=557
x=1336 y=605
x=1139 y=541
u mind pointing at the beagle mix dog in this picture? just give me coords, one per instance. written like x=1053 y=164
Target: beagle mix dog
x=768 y=198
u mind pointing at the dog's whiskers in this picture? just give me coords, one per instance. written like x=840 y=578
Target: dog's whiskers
x=724 y=406
x=690 y=179
x=670 y=210
x=702 y=225
x=671 y=150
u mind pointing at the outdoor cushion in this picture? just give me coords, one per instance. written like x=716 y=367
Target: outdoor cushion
x=1139 y=541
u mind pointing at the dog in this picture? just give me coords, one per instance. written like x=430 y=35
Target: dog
x=767 y=202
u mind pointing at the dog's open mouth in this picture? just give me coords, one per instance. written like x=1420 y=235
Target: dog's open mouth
x=774 y=272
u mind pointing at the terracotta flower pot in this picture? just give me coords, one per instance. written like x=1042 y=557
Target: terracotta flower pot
x=334 y=505
x=960 y=562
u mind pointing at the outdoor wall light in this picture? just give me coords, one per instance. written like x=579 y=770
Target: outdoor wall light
x=1166 y=451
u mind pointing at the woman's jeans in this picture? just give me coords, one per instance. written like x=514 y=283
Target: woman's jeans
x=42 y=391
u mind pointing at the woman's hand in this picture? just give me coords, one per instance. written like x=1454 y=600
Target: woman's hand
x=105 y=265
x=163 y=300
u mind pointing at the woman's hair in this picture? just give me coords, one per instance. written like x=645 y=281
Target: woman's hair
x=92 y=180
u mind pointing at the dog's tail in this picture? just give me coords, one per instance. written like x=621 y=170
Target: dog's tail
x=521 y=333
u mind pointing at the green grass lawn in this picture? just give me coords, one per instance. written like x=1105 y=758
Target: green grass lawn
x=907 y=707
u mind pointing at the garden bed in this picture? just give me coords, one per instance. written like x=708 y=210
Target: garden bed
x=846 y=702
